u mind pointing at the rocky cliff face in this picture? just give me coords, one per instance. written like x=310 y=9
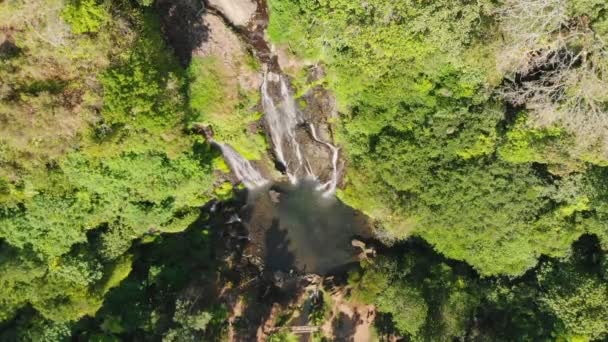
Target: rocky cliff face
x=230 y=30
x=226 y=46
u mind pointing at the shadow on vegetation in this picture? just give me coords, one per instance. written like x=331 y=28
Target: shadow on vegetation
x=183 y=26
x=8 y=50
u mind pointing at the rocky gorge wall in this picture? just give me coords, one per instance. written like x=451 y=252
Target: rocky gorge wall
x=232 y=32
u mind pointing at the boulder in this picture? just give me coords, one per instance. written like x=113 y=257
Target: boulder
x=238 y=12
x=274 y=196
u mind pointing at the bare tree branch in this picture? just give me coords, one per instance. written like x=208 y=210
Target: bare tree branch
x=559 y=67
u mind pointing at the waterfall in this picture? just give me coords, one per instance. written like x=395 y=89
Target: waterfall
x=329 y=186
x=282 y=119
x=241 y=167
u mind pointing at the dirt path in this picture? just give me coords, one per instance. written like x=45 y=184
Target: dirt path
x=349 y=321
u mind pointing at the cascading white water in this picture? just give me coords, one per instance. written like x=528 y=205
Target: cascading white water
x=329 y=186
x=241 y=167
x=282 y=119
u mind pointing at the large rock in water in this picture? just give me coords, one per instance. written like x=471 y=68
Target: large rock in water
x=237 y=11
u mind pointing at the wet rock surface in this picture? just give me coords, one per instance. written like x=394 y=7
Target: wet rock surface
x=300 y=132
x=319 y=109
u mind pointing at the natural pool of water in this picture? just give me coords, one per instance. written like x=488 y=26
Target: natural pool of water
x=296 y=227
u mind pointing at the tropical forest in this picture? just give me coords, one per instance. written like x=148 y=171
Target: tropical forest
x=303 y=170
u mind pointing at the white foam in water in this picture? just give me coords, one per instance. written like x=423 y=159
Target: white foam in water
x=329 y=186
x=241 y=167
x=282 y=119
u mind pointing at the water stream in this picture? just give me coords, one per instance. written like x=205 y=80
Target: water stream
x=297 y=225
x=282 y=119
x=330 y=185
x=241 y=167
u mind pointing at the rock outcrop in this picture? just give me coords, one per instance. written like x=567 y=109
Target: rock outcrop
x=223 y=44
x=238 y=12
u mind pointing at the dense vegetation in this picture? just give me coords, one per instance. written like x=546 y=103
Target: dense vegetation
x=475 y=130
x=94 y=154
x=437 y=146
x=431 y=298
x=478 y=126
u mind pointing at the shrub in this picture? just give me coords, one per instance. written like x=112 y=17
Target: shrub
x=85 y=16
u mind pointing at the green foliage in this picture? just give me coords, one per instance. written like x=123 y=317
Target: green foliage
x=63 y=290
x=320 y=309
x=434 y=299
x=98 y=169
x=144 y=88
x=145 y=2
x=483 y=146
x=430 y=151
x=42 y=330
x=425 y=297
x=156 y=300
x=196 y=321
x=477 y=209
x=286 y=26
x=283 y=336
x=88 y=192
x=189 y=324
x=115 y=273
x=220 y=102
x=376 y=49
x=85 y=16
x=206 y=87
x=591 y=8
x=578 y=299
x=115 y=241
x=409 y=312
x=223 y=191
x=50 y=90
x=527 y=144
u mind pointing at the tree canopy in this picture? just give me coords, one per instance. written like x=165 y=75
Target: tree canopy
x=473 y=135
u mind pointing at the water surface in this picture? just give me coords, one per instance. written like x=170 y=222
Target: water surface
x=300 y=229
